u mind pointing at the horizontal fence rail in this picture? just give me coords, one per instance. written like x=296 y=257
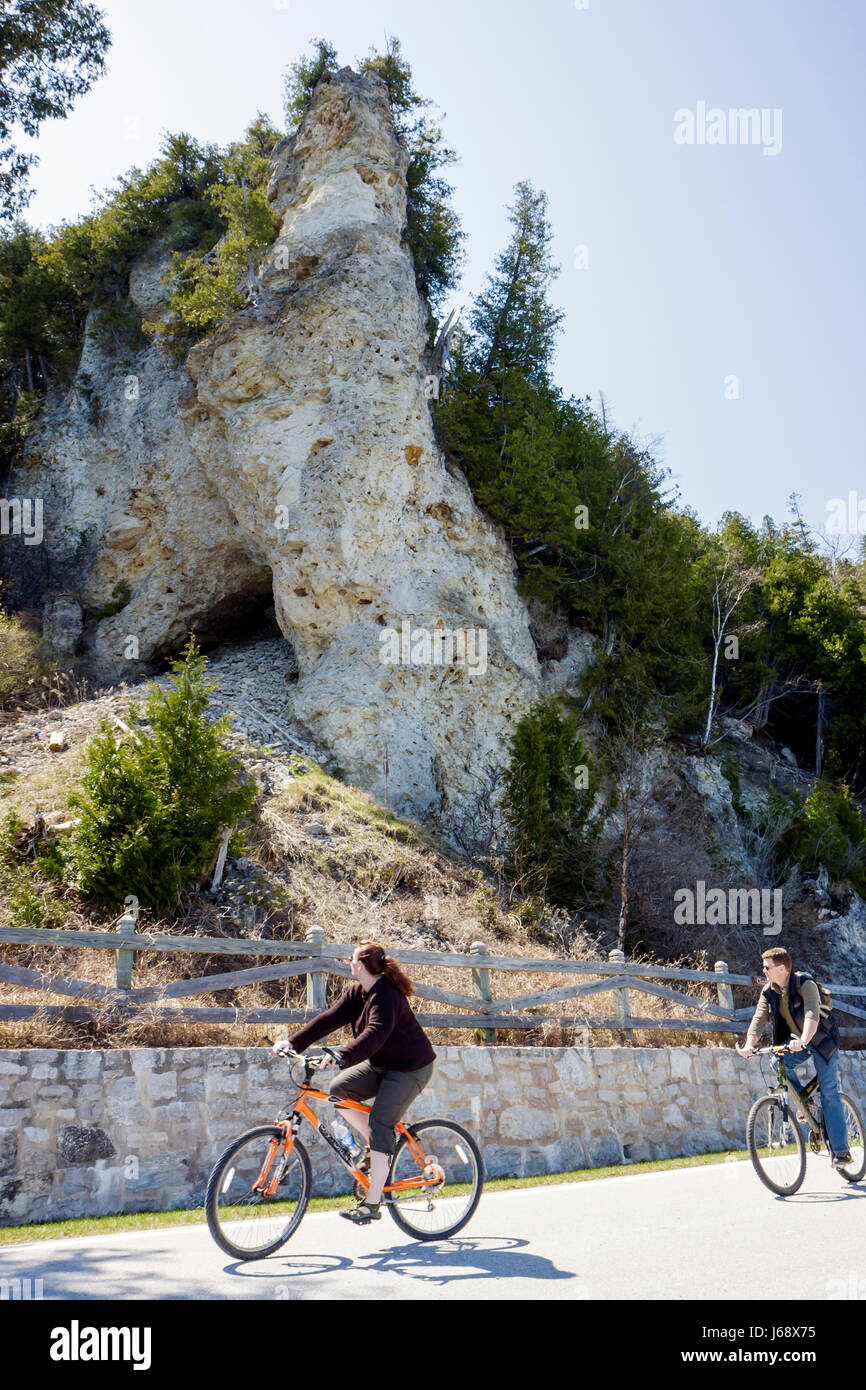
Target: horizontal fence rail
x=315 y=959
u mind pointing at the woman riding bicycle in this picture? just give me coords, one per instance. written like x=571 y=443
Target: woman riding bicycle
x=390 y=1058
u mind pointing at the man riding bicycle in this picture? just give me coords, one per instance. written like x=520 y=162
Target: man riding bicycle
x=791 y=1001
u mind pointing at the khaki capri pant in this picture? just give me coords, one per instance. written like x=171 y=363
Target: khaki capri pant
x=394 y=1092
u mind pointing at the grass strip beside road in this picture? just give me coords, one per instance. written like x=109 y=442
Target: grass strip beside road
x=129 y=1222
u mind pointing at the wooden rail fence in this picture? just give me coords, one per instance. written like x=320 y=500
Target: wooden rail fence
x=315 y=958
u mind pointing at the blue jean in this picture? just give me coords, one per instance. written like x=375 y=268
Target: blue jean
x=828 y=1082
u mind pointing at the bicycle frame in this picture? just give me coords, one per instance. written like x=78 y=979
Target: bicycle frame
x=786 y=1086
x=302 y=1111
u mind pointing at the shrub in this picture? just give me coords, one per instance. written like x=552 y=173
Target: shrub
x=20 y=658
x=553 y=828
x=827 y=828
x=152 y=807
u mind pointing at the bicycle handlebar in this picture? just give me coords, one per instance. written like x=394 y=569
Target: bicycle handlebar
x=288 y=1053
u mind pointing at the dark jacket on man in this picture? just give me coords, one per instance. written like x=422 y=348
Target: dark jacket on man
x=826 y=1039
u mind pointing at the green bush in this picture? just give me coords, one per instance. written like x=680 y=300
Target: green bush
x=152 y=808
x=552 y=826
x=827 y=828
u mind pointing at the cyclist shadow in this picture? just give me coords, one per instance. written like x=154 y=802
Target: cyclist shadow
x=482 y=1258
x=848 y=1194
x=298 y=1266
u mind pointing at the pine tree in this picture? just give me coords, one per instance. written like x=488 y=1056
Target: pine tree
x=515 y=326
x=549 y=808
x=152 y=807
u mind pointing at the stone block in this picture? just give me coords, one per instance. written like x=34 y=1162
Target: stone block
x=681 y=1063
x=44 y=1071
x=603 y=1150
x=91 y=1090
x=521 y=1122
x=477 y=1061
x=161 y=1086
x=453 y=1070
x=225 y=1083
x=55 y=1093
x=123 y=1090
x=33 y=1135
x=82 y=1066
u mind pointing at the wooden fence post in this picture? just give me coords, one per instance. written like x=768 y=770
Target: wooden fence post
x=481 y=980
x=124 y=960
x=726 y=994
x=620 y=998
x=317 y=998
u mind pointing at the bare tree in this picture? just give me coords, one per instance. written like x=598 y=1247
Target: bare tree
x=731 y=583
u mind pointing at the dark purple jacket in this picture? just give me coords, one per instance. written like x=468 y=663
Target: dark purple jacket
x=383 y=1026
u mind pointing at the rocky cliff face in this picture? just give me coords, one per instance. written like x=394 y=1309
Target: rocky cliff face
x=297 y=452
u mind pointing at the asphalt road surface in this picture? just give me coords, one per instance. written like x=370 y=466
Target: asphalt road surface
x=681 y=1234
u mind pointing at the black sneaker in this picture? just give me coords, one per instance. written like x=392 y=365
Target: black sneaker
x=363 y=1214
x=841 y=1160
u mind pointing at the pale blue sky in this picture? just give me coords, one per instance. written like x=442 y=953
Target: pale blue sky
x=705 y=261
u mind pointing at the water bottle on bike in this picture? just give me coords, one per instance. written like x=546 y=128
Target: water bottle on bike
x=346 y=1139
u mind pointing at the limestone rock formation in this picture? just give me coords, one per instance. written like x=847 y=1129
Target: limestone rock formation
x=311 y=419
x=300 y=456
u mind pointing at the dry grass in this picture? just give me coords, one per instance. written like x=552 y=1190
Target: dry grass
x=328 y=857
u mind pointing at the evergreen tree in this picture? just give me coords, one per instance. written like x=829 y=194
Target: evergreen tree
x=549 y=808
x=514 y=324
x=152 y=807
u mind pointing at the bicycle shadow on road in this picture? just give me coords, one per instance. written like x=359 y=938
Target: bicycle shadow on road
x=450 y=1261
x=297 y=1266
x=850 y=1194
x=437 y=1262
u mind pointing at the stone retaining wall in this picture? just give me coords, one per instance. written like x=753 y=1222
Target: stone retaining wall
x=92 y=1133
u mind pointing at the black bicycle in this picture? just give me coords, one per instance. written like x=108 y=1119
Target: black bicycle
x=778 y=1122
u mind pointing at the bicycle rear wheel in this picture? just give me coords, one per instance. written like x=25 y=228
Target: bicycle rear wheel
x=452 y=1174
x=242 y=1221
x=776 y=1146
x=854 y=1170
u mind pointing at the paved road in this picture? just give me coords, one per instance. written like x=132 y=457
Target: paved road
x=682 y=1234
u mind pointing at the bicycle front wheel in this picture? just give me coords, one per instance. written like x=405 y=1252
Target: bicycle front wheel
x=242 y=1220
x=776 y=1146
x=443 y=1173
x=854 y=1170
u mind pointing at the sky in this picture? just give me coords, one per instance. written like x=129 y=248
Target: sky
x=711 y=272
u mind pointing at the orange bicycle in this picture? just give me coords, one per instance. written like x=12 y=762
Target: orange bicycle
x=260 y=1187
